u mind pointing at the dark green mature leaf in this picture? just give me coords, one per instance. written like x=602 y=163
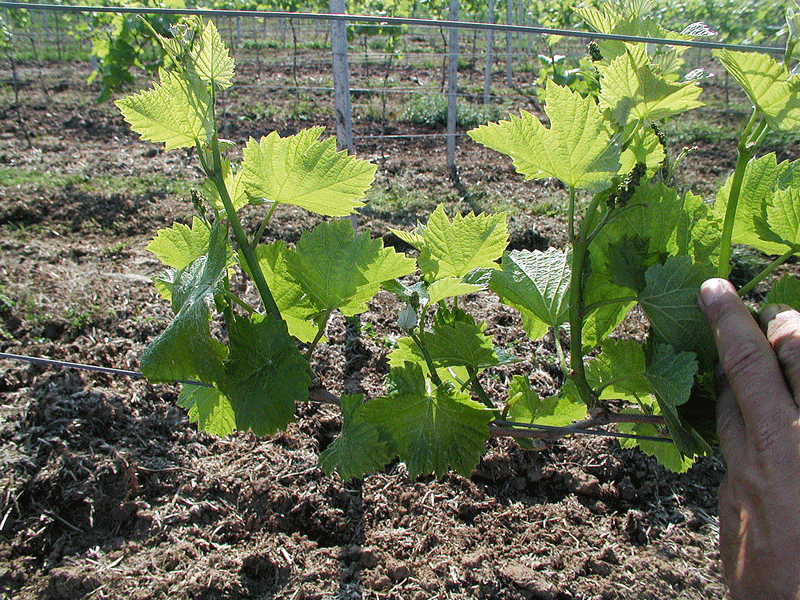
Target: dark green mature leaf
x=672 y=376
x=185 y=350
x=209 y=408
x=433 y=428
x=407 y=351
x=619 y=371
x=360 y=448
x=266 y=374
x=338 y=269
x=670 y=303
x=460 y=342
x=537 y=284
x=628 y=260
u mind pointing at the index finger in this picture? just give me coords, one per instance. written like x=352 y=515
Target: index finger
x=746 y=356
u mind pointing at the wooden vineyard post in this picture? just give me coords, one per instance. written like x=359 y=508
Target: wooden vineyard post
x=341 y=83
x=452 y=90
x=487 y=80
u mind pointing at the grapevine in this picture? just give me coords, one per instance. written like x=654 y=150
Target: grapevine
x=638 y=241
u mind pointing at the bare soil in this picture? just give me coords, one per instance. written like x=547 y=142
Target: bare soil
x=107 y=491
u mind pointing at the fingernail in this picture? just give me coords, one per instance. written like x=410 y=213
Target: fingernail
x=712 y=290
x=771 y=311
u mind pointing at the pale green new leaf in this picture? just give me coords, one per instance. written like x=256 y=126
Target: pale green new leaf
x=338 y=269
x=644 y=148
x=785 y=291
x=665 y=453
x=454 y=248
x=525 y=406
x=295 y=307
x=407 y=351
x=768 y=85
x=634 y=91
x=450 y=287
x=434 y=429
x=185 y=350
x=180 y=245
x=537 y=284
x=577 y=149
x=209 y=408
x=670 y=303
x=175 y=112
x=360 y=448
x=266 y=374
x=304 y=172
x=209 y=58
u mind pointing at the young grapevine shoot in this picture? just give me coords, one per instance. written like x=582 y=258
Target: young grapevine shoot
x=634 y=240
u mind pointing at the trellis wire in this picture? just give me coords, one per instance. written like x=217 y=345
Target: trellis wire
x=502 y=425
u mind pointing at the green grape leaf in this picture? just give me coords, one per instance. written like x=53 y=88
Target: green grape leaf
x=338 y=269
x=433 y=428
x=670 y=303
x=785 y=291
x=633 y=90
x=761 y=177
x=665 y=453
x=455 y=339
x=209 y=408
x=603 y=320
x=185 y=350
x=360 y=448
x=180 y=245
x=643 y=148
x=671 y=375
x=304 y=172
x=783 y=217
x=296 y=309
x=525 y=406
x=406 y=350
x=628 y=260
x=176 y=112
x=537 y=284
x=450 y=287
x=768 y=85
x=266 y=374
x=577 y=149
x=455 y=248
x=209 y=58
x=619 y=371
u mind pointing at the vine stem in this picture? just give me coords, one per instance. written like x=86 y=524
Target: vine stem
x=320 y=333
x=427 y=356
x=249 y=253
x=746 y=152
x=580 y=247
x=768 y=270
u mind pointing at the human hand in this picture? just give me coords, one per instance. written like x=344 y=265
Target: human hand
x=758 y=422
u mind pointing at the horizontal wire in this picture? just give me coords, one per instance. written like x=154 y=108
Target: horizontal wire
x=394 y=21
x=49 y=362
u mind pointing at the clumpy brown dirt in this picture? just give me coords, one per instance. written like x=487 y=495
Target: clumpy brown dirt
x=108 y=492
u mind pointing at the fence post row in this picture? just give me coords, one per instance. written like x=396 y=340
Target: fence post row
x=452 y=91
